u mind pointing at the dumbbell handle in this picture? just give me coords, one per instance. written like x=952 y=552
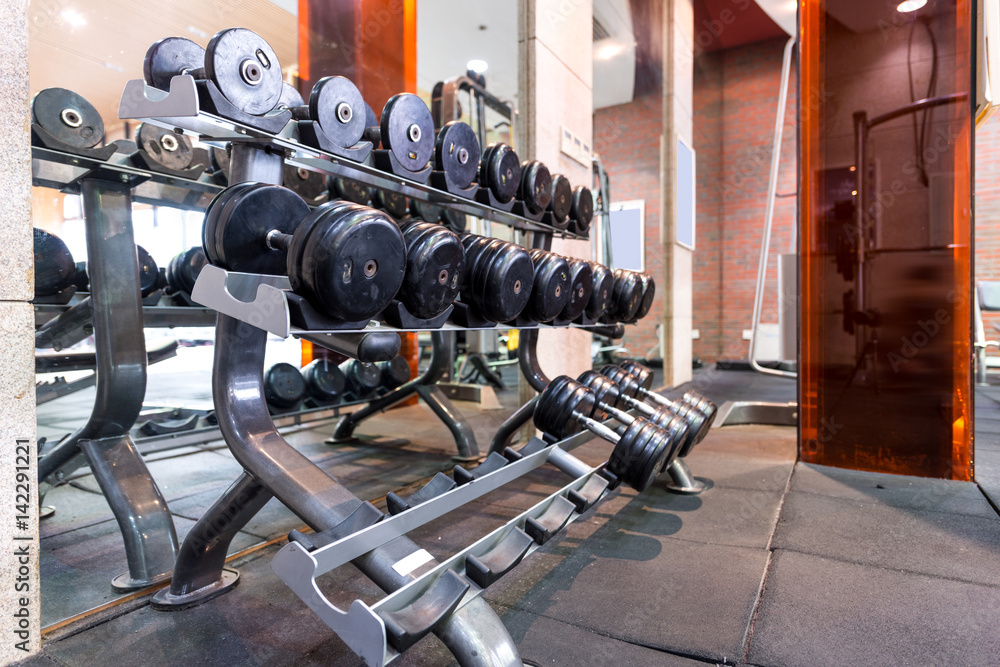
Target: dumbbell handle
x=619 y=415
x=276 y=240
x=344 y=112
x=597 y=428
x=656 y=398
x=646 y=409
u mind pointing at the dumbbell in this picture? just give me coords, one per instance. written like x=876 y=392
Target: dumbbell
x=54 y=266
x=335 y=105
x=393 y=203
x=183 y=270
x=699 y=421
x=535 y=186
x=435 y=265
x=499 y=277
x=608 y=392
x=350 y=190
x=309 y=185
x=67 y=117
x=81 y=279
x=218 y=161
x=562 y=201
x=581 y=284
x=284 y=387
x=149 y=273
x=457 y=153
x=600 y=295
x=648 y=294
x=454 y=220
x=240 y=63
x=641 y=448
x=347 y=260
x=500 y=171
x=626 y=296
x=644 y=376
x=167 y=148
x=393 y=373
x=581 y=210
x=406 y=130
x=551 y=289
x=425 y=210
x=361 y=379
x=325 y=382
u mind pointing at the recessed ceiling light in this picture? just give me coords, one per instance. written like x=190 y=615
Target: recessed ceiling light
x=910 y=5
x=477 y=66
x=609 y=51
x=73 y=17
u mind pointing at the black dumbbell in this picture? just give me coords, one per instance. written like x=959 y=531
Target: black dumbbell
x=499 y=277
x=698 y=421
x=67 y=117
x=54 y=266
x=325 y=382
x=284 y=387
x=607 y=391
x=350 y=190
x=149 y=273
x=435 y=265
x=361 y=379
x=425 y=210
x=648 y=294
x=535 y=187
x=565 y=407
x=335 y=105
x=240 y=63
x=600 y=295
x=551 y=287
x=394 y=373
x=167 y=148
x=645 y=378
x=626 y=296
x=81 y=279
x=310 y=185
x=581 y=211
x=218 y=162
x=500 y=171
x=347 y=260
x=581 y=284
x=454 y=220
x=562 y=200
x=457 y=153
x=406 y=130
x=393 y=203
x=183 y=270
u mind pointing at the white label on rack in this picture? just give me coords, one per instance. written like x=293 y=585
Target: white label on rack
x=412 y=562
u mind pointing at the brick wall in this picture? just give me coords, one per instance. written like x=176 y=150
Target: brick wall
x=987 y=218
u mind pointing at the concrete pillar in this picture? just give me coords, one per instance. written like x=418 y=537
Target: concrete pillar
x=19 y=599
x=678 y=102
x=555 y=91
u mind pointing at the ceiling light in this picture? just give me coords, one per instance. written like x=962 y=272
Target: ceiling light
x=910 y=5
x=73 y=17
x=609 y=51
x=477 y=66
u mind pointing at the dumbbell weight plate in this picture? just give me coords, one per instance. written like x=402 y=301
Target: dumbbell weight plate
x=603 y=290
x=372 y=132
x=219 y=160
x=500 y=171
x=170 y=57
x=678 y=429
x=536 y=186
x=582 y=209
x=562 y=197
x=362 y=379
x=393 y=373
x=605 y=391
x=454 y=220
x=336 y=104
x=648 y=294
x=324 y=380
x=149 y=274
x=67 y=117
x=393 y=203
x=707 y=408
x=80 y=278
x=456 y=152
x=550 y=291
x=305 y=183
x=642 y=375
x=167 y=148
x=283 y=386
x=407 y=130
x=54 y=266
x=696 y=423
x=435 y=264
x=212 y=229
x=626 y=295
x=183 y=270
x=426 y=211
x=245 y=69
x=351 y=190
x=638 y=456
x=557 y=403
x=290 y=97
x=504 y=281
x=581 y=284
x=350 y=261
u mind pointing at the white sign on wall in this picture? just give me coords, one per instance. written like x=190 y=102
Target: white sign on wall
x=628 y=238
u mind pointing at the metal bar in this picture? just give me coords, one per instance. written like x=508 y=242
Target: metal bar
x=512 y=425
x=919 y=105
x=465 y=438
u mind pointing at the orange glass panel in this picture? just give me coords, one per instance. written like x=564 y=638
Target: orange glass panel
x=885 y=236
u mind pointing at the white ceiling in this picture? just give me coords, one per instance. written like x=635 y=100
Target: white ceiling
x=614 y=55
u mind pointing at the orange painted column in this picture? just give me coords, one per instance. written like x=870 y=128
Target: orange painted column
x=885 y=206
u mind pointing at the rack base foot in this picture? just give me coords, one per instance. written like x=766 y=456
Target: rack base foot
x=124 y=583
x=164 y=600
x=682 y=481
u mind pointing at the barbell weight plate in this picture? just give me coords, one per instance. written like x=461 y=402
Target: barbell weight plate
x=350 y=261
x=67 y=117
x=501 y=172
x=284 y=386
x=626 y=295
x=581 y=284
x=536 y=186
x=435 y=265
x=170 y=57
x=245 y=69
x=246 y=222
x=393 y=203
x=336 y=104
x=407 y=130
x=54 y=266
x=167 y=148
x=290 y=97
x=307 y=184
x=582 y=208
x=648 y=295
x=457 y=153
x=324 y=380
x=562 y=197
x=425 y=210
x=550 y=289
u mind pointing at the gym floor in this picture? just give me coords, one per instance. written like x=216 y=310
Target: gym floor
x=774 y=564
